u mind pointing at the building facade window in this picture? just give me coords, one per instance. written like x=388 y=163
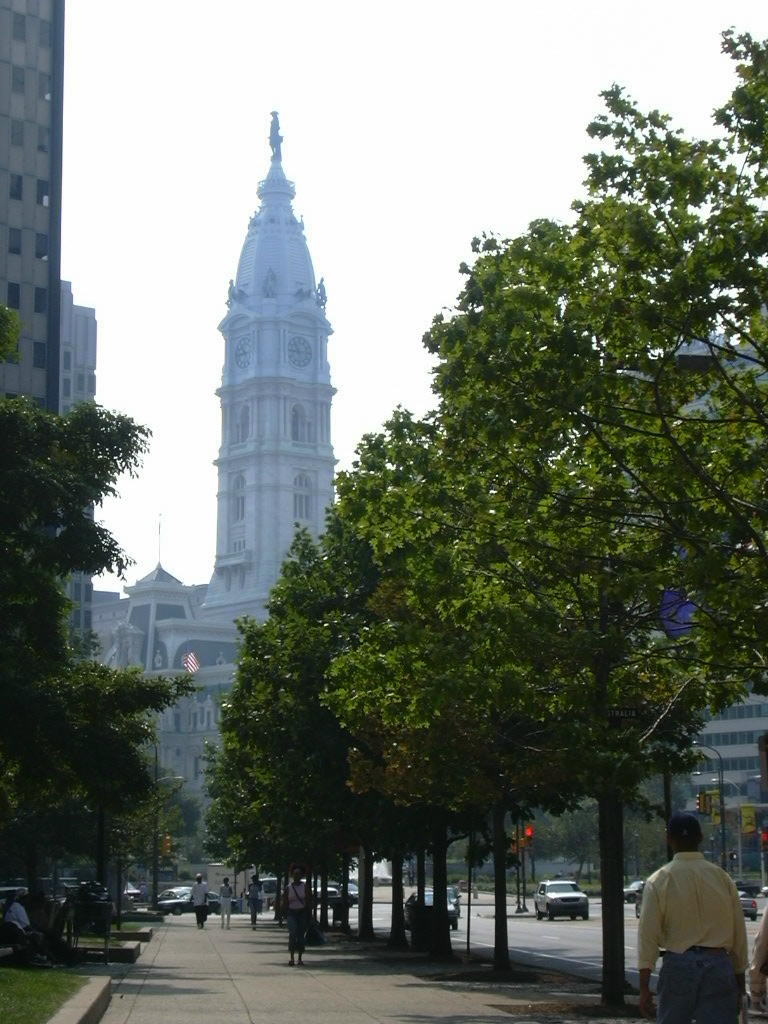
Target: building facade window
x=43 y=86
x=66 y=359
x=15 y=186
x=42 y=192
x=14 y=241
x=19 y=27
x=14 y=295
x=45 y=33
x=243 y=431
x=41 y=246
x=41 y=300
x=17 y=79
x=238 y=498
x=38 y=357
x=301 y=426
x=66 y=387
x=17 y=132
x=302 y=502
x=43 y=138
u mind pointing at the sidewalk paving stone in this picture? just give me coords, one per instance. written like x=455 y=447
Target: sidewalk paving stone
x=240 y=976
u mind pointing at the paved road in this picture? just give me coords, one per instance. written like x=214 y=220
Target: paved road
x=575 y=946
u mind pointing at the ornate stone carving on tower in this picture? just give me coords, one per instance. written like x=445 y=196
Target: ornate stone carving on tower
x=276 y=461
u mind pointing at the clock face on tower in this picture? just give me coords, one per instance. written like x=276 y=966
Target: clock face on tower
x=243 y=352
x=299 y=350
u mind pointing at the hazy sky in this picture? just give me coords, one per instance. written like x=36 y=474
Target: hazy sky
x=409 y=127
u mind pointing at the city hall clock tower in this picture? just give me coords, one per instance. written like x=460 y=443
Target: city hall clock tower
x=276 y=463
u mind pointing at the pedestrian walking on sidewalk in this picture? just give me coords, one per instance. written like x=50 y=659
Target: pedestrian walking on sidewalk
x=296 y=898
x=225 y=902
x=254 y=899
x=200 y=900
x=692 y=911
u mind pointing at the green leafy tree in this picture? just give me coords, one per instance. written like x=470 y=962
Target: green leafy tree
x=77 y=728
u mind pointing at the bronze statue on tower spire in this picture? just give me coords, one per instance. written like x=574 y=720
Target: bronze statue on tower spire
x=275 y=138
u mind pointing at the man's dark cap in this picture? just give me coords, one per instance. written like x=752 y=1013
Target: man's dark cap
x=683 y=825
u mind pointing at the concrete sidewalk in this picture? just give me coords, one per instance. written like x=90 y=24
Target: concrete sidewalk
x=242 y=976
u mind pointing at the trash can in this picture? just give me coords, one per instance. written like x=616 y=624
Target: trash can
x=422 y=923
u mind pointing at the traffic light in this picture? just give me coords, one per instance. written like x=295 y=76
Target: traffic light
x=528 y=835
x=700 y=801
x=764 y=840
x=166 y=847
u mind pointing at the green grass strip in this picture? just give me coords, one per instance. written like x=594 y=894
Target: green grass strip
x=32 y=995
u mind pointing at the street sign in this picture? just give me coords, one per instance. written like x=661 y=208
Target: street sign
x=618 y=715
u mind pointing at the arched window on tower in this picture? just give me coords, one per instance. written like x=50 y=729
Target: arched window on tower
x=298 y=423
x=301 y=425
x=238 y=498
x=243 y=424
x=302 y=502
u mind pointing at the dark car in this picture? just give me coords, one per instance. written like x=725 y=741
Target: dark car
x=352 y=893
x=560 y=898
x=633 y=892
x=748 y=905
x=749 y=888
x=178 y=900
x=429 y=897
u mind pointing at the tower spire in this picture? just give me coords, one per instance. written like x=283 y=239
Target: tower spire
x=276 y=461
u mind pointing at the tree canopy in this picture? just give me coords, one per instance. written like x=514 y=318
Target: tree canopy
x=72 y=726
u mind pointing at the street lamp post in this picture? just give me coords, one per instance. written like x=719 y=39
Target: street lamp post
x=721 y=790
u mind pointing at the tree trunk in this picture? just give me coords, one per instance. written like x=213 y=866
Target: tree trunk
x=32 y=866
x=397 y=936
x=611 y=813
x=500 y=939
x=365 y=932
x=101 y=844
x=440 y=935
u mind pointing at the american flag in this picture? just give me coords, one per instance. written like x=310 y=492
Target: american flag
x=191 y=662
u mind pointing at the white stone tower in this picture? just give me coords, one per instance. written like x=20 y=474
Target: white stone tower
x=276 y=461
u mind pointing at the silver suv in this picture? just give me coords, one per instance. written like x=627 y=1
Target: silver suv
x=560 y=898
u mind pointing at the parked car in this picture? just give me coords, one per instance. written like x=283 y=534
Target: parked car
x=560 y=898
x=334 y=895
x=748 y=905
x=178 y=900
x=633 y=891
x=429 y=898
x=352 y=892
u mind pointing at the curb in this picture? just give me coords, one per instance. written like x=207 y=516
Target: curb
x=88 y=1005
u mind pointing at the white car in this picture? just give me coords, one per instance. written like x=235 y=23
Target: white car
x=560 y=898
